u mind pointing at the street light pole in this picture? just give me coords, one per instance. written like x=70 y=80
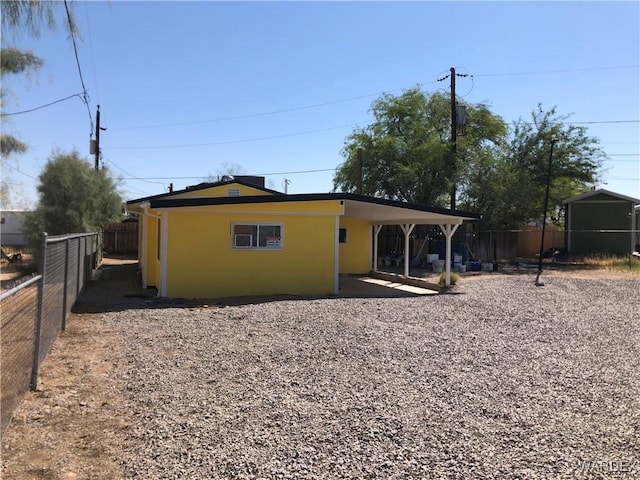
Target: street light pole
x=544 y=217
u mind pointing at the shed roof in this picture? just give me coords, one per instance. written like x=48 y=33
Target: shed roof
x=600 y=191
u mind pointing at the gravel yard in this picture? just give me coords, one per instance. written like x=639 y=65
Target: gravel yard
x=498 y=380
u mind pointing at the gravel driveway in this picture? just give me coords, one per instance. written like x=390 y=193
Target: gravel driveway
x=502 y=380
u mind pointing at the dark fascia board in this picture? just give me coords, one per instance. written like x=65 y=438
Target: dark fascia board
x=305 y=197
x=202 y=186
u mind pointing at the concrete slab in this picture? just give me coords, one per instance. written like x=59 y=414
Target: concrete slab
x=399 y=286
x=364 y=286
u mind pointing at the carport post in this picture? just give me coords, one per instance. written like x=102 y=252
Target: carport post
x=376 y=231
x=448 y=230
x=407 y=228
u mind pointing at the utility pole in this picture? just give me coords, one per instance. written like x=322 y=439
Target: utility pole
x=97 y=148
x=538 y=283
x=454 y=137
x=454 y=131
x=286 y=184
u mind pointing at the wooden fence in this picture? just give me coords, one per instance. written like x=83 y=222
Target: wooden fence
x=121 y=237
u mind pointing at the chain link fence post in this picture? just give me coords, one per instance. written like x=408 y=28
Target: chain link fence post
x=66 y=285
x=42 y=265
x=78 y=270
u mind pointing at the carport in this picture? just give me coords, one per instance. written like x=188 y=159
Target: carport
x=379 y=212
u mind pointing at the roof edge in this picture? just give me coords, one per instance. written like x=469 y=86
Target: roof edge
x=591 y=193
x=305 y=197
x=202 y=186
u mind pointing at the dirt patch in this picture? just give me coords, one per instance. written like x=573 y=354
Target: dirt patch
x=71 y=427
x=10 y=275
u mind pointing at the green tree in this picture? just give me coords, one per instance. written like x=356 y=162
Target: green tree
x=510 y=189
x=73 y=198
x=407 y=151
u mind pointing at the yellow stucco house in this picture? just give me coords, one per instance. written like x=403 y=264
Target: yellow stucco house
x=236 y=237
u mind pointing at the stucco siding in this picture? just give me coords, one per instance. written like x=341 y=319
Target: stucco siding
x=202 y=263
x=355 y=253
x=221 y=191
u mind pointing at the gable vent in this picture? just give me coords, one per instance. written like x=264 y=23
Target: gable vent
x=233 y=192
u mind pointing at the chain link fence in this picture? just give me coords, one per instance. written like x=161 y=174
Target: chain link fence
x=520 y=243
x=34 y=312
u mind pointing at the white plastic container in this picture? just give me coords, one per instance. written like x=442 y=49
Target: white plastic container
x=437 y=266
x=487 y=267
x=432 y=257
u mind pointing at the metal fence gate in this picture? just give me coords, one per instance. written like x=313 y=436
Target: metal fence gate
x=34 y=312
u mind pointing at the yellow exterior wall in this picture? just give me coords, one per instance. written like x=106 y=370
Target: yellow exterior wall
x=220 y=191
x=201 y=262
x=355 y=253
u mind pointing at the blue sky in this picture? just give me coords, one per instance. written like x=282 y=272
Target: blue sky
x=191 y=89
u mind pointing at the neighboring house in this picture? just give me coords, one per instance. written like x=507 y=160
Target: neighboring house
x=236 y=237
x=11 y=231
x=601 y=221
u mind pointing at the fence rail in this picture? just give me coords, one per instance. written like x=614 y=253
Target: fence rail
x=34 y=313
x=498 y=245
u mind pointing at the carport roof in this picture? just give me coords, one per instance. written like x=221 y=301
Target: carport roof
x=376 y=210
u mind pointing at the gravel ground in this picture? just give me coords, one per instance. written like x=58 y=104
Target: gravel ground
x=501 y=380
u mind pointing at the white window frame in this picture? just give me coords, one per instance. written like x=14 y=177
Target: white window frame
x=251 y=246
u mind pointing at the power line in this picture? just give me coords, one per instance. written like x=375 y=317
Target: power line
x=247 y=140
x=260 y=114
x=205 y=176
x=333 y=102
x=307 y=132
x=545 y=72
x=602 y=121
x=75 y=50
x=131 y=175
x=250 y=115
x=20 y=171
x=42 y=106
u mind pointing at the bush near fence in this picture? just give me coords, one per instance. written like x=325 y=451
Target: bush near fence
x=35 y=312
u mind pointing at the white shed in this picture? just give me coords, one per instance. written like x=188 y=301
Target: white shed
x=11 y=230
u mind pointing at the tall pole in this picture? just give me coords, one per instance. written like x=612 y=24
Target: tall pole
x=97 y=152
x=544 y=216
x=454 y=138
x=359 y=179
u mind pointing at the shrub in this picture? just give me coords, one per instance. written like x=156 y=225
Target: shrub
x=443 y=278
